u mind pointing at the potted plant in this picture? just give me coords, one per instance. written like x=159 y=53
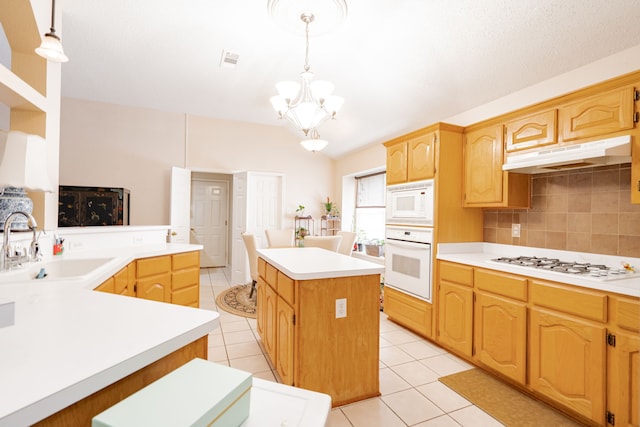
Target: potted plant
x=300 y=211
x=329 y=207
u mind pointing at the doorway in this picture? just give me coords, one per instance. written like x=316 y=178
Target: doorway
x=210 y=219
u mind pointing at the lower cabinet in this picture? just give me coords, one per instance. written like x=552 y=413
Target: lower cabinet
x=167 y=278
x=309 y=345
x=455 y=317
x=284 y=341
x=154 y=278
x=413 y=313
x=500 y=332
x=567 y=362
x=185 y=279
x=574 y=347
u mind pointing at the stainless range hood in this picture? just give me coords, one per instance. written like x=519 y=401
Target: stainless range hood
x=610 y=151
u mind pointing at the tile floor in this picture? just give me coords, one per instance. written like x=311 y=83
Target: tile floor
x=409 y=371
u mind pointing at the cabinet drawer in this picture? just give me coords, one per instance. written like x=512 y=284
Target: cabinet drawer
x=184 y=278
x=262 y=268
x=587 y=304
x=411 y=312
x=152 y=266
x=501 y=283
x=185 y=260
x=286 y=288
x=456 y=273
x=626 y=313
x=186 y=296
x=271 y=276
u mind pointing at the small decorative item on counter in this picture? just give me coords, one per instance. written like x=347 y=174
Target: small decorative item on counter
x=375 y=248
x=58 y=248
x=300 y=211
x=628 y=266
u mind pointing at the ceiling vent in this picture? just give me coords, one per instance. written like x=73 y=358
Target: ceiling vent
x=228 y=59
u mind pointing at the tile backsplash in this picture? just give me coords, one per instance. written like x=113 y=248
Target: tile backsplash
x=586 y=210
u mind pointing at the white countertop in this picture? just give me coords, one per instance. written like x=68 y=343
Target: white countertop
x=317 y=263
x=68 y=341
x=479 y=254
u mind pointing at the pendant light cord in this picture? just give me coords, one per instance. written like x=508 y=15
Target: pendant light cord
x=53 y=14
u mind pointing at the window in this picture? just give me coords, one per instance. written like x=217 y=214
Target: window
x=370 y=206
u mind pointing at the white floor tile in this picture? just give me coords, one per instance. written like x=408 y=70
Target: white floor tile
x=390 y=382
x=444 y=365
x=472 y=416
x=415 y=373
x=412 y=406
x=399 y=337
x=371 y=413
x=251 y=364
x=445 y=398
x=391 y=356
x=422 y=349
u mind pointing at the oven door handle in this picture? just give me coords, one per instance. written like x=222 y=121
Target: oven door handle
x=408 y=245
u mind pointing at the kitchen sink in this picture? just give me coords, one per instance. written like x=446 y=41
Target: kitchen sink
x=56 y=269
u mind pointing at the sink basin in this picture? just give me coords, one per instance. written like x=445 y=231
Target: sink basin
x=67 y=268
x=56 y=269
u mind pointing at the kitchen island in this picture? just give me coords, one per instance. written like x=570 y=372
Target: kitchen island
x=318 y=319
x=73 y=352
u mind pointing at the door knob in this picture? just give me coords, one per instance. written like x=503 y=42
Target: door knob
x=173 y=233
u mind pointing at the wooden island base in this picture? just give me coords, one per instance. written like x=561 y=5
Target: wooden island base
x=306 y=334
x=81 y=412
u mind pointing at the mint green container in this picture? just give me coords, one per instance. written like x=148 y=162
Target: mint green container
x=199 y=393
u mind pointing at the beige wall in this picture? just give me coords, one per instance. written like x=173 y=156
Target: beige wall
x=111 y=145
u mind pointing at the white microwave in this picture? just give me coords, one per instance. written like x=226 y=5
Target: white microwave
x=410 y=204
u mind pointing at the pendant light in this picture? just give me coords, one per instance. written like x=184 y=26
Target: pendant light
x=51 y=47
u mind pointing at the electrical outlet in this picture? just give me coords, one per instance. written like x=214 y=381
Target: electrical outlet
x=341 y=308
x=515 y=230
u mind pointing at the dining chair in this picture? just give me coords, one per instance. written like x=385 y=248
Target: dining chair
x=280 y=237
x=331 y=243
x=346 y=244
x=252 y=252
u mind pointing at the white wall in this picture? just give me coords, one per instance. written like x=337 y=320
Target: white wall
x=111 y=145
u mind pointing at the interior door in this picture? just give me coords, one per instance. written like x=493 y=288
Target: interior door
x=180 y=205
x=209 y=220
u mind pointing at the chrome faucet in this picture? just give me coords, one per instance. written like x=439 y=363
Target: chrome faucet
x=11 y=257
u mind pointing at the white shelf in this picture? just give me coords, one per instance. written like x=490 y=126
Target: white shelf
x=16 y=93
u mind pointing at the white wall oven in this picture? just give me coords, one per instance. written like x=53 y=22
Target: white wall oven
x=410 y=204
x=408 y=260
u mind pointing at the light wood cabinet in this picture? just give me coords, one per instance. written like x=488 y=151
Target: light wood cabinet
x=533 y=131
x=153 y=279
x=411 y=312
x=485 y=183
x=421 y=157
x=500 y=323
x=567 y=362
x=598 y=115
x=635 y=169
x=106 y=286
x=122 y=283
x=623 y=362
x=285 y=342
x=397 y=163
x=455 y=317
x=185 y=279
x=411 y=157
x=308 y=345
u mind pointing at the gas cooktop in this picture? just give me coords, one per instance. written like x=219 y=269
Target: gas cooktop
x=595 y=271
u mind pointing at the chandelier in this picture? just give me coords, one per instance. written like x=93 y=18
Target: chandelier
x=309 y=103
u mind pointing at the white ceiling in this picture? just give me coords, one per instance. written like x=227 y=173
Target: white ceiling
x=399 y=64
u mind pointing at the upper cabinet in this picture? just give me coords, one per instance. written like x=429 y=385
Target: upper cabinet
x=532 y=131
x=485 y=184
x=411 y=157
x=597 y=115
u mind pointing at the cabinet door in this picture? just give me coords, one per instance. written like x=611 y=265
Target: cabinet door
x=567 y=362
x=598 y=115
x=397 y=163
x=536 y=130
x=123 y=285
x=269 y=342
x=624 y=380
x=106 y=286
x=156 y=288
x=261 y=313
x=483 y=158
x=500 y=331
x=455 y=317
x=284 y=342
x=635 y=170
x=421 y=157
